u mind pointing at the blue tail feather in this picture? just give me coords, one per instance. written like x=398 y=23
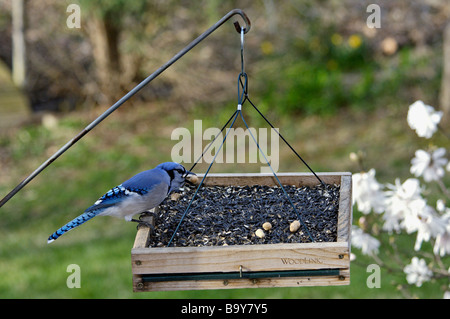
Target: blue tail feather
x=72 y=224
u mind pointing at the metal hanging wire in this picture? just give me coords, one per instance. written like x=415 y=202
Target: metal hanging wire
x=235 y=115
x=242 y=92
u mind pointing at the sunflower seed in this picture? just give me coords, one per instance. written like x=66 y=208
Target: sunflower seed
x=235 y=213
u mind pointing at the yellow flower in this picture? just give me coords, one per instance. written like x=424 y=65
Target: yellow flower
x=266 y=47
x=354 y=41
x=336 y=39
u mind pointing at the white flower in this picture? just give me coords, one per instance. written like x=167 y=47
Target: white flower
x=368 y=244
x=411 y=221
x=417 y=272
x=406 y=209
x=403 y=201
x=440 y=206
x=423 y=119
x=442 y=244
x=430 y=166
x=367 y=192
x=429 y=225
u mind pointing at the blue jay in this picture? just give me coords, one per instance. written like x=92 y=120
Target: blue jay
x=140 y=193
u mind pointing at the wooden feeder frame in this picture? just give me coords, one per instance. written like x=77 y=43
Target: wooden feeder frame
x=249 y=266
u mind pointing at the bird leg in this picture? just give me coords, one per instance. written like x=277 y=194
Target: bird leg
x=145 y=219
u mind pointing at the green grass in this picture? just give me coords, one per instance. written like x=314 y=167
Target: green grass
x=127 y=143
x=14 y=106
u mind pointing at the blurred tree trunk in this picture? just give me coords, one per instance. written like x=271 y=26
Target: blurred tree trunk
x=18 y=43
x=104 y=36
x=444 y=98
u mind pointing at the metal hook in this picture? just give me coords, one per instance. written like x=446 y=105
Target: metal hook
x=246 y=19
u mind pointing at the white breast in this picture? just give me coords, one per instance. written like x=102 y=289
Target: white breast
x=135 y=203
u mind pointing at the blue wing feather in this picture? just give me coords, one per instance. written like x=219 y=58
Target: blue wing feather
x=146 y=180
x=114 y=196
x=140 y=184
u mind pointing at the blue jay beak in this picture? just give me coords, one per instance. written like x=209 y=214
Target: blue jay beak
x=191 y=178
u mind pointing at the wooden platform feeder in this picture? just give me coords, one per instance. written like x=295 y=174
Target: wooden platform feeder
x=249 y=266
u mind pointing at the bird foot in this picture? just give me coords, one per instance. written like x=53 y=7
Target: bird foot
x=143 y=223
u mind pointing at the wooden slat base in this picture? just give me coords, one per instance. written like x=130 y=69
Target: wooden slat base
x=304 y=281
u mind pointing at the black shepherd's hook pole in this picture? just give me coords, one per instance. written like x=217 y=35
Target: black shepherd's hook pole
x=136 y=89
